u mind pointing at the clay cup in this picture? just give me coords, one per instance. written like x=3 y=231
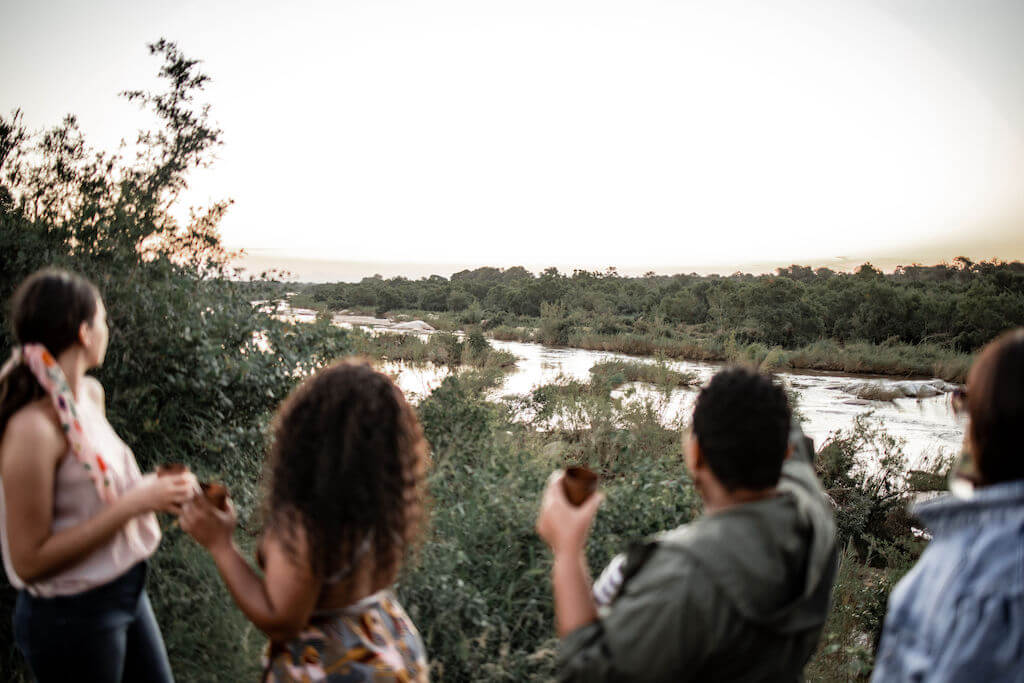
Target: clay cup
x=579 y=484
x=217 y=494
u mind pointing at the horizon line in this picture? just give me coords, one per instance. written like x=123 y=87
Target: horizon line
x=320 y=269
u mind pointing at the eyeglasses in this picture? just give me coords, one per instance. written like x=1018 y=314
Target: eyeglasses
x=959 y=400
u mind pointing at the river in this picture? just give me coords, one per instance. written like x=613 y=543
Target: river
x=827 y=402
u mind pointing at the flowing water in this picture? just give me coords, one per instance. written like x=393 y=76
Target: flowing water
x=827 y=402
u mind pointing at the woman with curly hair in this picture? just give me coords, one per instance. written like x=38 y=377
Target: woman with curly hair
x=344 y=503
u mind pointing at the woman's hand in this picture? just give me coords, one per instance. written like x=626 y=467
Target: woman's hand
x=164 y=494
x=212 y=528
x=562 y=525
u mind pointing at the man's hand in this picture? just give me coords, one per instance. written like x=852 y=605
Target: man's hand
x=562 y=525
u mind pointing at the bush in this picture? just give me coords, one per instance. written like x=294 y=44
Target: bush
x=555 y=327
x=865 y=472
x=614 y=373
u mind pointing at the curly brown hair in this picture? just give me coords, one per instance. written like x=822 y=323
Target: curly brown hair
x=347 y=466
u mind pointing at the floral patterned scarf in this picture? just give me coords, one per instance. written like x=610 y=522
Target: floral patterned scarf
x=51 y=378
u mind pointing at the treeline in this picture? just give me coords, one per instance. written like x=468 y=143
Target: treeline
x=960 y=305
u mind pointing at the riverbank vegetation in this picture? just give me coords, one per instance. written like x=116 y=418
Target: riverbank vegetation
x=440 y=348
x=614 y=373
x=918 y=320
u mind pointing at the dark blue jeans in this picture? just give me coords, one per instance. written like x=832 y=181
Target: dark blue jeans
x=107 y=634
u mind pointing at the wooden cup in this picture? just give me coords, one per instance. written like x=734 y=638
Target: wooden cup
x=217 y=494
x=579 y=484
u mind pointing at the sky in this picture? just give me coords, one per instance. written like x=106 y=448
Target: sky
x=404 y=137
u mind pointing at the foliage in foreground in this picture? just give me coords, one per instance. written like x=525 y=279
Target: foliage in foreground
x=480 y=590
x=867 y=476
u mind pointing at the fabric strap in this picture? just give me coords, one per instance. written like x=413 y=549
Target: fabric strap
x=51 y=378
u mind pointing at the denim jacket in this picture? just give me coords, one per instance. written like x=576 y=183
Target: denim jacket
x=959 y=614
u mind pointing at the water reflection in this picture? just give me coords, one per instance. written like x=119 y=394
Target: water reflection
x=416 y=381
x=928 y=425
x=827 y=402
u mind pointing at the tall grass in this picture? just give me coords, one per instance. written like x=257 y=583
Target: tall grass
x=904 y=360
x=882 y=359
x=508 y=333
x=847 y=648
x=207 y=638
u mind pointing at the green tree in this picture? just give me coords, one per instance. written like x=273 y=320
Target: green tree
x=387 y=299
x=682 y=307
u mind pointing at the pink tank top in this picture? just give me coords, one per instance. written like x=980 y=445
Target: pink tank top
x=75 y=500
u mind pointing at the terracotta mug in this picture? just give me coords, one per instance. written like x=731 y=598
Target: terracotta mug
x=217 y=494
x=579 y=484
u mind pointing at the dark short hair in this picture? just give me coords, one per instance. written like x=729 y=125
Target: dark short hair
x=995 y=401
x=741 y=422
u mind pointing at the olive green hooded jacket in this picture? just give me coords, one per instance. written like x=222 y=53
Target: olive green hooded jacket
x=740 y=595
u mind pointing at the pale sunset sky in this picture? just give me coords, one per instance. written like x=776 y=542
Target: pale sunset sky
x=411 y=137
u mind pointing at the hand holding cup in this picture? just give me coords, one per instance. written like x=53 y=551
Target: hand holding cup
x=563 y=525
x=579 y=484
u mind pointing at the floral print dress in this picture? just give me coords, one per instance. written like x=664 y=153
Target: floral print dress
x=369 y=641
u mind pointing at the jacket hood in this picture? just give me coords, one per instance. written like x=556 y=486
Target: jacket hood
x=774 y=559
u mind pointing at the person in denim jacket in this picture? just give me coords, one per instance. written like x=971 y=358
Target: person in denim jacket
x=959 y=614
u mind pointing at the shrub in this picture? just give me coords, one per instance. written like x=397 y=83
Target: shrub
x=865 y=472
x=554 y=327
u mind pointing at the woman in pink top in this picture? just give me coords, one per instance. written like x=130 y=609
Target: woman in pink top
x=76 y=515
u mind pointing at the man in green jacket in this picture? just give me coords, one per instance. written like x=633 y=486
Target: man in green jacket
x=740 y=594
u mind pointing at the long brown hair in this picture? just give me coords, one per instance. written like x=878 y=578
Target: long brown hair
x=48 y=308
x=347 y=467
x=995 y=402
